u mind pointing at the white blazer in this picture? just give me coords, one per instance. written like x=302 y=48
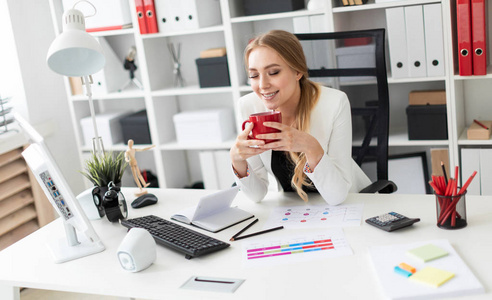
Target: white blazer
x=336 y=174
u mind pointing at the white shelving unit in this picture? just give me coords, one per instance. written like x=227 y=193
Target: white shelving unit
x=177 y=165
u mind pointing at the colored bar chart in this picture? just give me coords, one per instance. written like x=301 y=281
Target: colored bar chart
x=320 y=244
x=290 y=249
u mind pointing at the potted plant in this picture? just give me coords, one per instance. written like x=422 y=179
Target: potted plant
x=101 y=169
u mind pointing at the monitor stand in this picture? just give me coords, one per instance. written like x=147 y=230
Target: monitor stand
x=69 y=248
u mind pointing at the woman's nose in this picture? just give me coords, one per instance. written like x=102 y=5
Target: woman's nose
x=264 y=82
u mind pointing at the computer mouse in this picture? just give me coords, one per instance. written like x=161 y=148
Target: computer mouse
x=144 y=200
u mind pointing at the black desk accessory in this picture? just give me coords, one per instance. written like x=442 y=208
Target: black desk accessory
x=391 y=221
x=144 y=200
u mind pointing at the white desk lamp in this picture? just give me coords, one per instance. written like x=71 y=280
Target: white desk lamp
x=76 y=53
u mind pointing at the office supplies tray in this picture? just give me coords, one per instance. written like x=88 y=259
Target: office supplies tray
x=177 y=237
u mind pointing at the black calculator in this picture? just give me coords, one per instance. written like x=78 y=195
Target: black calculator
x=391 y=221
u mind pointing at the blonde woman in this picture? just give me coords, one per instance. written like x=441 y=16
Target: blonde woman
x=313 y=151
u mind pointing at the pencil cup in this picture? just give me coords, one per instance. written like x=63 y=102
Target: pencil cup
x=451 y=211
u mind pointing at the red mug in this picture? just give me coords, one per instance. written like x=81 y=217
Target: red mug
x=259 y=128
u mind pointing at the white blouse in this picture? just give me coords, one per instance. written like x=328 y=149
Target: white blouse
x=336 y=174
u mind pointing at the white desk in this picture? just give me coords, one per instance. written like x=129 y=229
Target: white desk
x=28 y=263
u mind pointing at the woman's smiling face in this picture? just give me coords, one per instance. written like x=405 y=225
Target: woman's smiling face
x=272 y=79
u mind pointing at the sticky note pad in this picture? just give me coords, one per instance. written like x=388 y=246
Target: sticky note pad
x=432 y=276
x=427 y=252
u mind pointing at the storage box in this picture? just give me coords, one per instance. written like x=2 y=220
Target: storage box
x=427 y=97
x=204 y=126
x=108 y=126
x=259 y=7
x=427 y=122
x=477 y=132
x=136 y=127
x=111 y=14
x=213 y=71
x=356 y=57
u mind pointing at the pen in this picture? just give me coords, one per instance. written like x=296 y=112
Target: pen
x=256 y=233
x=481 y=124
x=444 y=173
x=244 y=229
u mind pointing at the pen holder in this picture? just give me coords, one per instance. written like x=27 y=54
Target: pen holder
x=451 y=211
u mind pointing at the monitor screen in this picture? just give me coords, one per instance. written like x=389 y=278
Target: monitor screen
x=60 y=195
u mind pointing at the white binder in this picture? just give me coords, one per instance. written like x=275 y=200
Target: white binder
x=470 y=162
x=197 y=14
x=321 y=49
x=434 y=44
x=397 y=42
x=176 y=14
x=301 y=25
x=485 y=172
x=414 y=21
x=164 y=11
x=113 y=76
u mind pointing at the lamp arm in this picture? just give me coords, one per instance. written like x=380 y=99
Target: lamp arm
x=97 y=144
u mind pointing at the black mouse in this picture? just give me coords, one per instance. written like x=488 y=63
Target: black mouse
x=144 y=200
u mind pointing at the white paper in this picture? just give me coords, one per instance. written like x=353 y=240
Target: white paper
x=269 y=251
x=395 y=286
x=315 y=216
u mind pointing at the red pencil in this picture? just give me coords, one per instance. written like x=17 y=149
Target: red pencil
x=481 y=124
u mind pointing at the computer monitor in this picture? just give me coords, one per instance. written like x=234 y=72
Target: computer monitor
x=60 y=195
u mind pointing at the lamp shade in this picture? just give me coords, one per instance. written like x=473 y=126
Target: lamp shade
x=75 y=52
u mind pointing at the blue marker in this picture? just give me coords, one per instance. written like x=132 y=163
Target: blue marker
x=402 y=272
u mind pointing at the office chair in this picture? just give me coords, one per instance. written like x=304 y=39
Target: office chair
x=322 y=65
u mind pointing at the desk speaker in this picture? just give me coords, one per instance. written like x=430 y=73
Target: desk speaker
x=137 y=251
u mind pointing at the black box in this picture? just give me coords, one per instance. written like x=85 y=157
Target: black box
x=427 y=122
x=213 y=71
x=136 y=127
x=259 y=7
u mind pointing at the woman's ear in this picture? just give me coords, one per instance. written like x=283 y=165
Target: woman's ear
x=299 y=76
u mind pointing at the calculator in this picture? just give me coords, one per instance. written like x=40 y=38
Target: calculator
x=391 y=221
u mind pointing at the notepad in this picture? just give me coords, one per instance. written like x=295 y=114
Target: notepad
x=431 y=276
x=427 y=252
x=214 y=212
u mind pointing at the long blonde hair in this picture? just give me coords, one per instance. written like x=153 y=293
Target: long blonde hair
x=290 y=49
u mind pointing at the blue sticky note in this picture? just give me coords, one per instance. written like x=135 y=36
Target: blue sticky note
x=402 y=272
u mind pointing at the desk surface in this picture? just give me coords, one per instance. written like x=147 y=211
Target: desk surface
x=29 y=264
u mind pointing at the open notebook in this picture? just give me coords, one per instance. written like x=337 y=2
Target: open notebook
x=214 y=212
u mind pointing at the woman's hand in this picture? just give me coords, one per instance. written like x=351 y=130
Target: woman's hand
x=293 y=140
x=245 y=148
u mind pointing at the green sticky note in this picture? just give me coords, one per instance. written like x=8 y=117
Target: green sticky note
x=427 y=252
x=431 y=276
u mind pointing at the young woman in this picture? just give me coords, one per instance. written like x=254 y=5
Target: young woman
x=313 y=151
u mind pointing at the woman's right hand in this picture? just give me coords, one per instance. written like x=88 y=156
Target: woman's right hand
x=245 y=148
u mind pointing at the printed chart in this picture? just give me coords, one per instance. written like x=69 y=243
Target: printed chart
x=318 y=245
x=312 y=216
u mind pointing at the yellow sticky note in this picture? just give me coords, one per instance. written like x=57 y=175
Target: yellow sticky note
x=427 y=252
x=432 y=276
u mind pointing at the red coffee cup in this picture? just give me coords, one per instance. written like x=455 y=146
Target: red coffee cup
x=259 y=128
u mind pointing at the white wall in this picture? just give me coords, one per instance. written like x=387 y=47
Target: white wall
x=26 y=31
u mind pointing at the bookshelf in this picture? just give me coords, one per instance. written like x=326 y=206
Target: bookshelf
x=178 y=165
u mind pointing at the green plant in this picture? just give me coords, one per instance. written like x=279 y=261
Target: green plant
x=101 y=169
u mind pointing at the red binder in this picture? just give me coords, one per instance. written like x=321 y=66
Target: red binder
x=150 y=17
x=479 y=37
x=142 y=24
x=463 y=15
